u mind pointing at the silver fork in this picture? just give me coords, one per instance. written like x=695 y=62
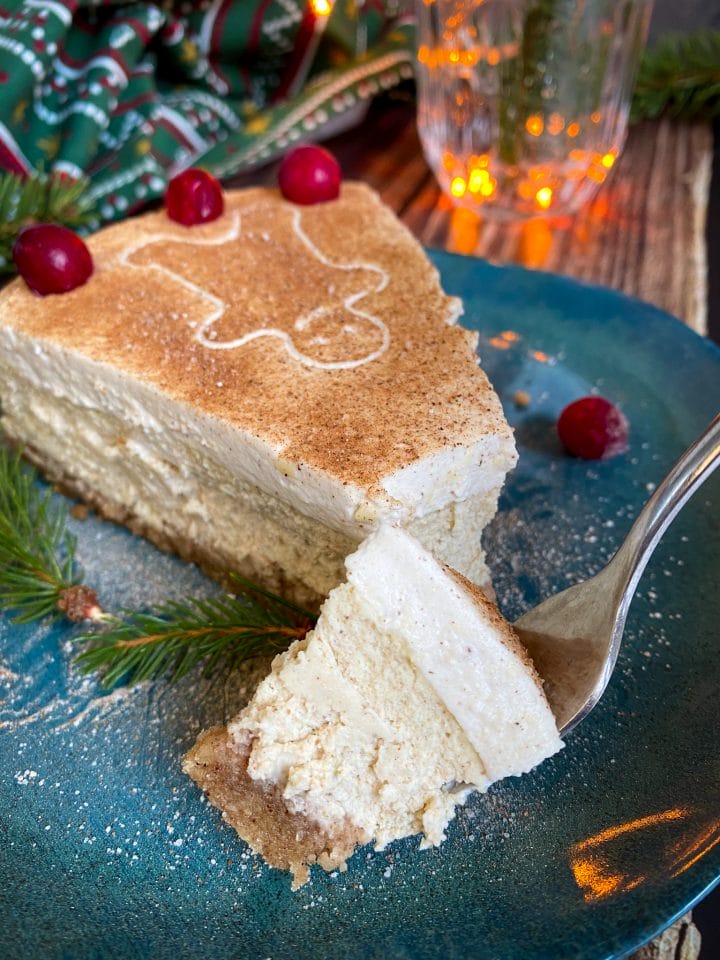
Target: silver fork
x=574 y=636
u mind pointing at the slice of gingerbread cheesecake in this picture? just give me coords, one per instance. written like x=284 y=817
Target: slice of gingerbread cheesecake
x=259 y=392
x=411 y=692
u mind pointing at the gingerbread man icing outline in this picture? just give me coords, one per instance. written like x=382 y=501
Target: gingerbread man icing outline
x=203 y=334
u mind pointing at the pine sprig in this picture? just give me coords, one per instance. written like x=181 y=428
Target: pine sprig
x=39 y=198
x=681 y=75
x=40 y=578
x=37 y=552
x=217 y=633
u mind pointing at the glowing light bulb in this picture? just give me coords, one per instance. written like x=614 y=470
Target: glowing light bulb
x=608 y=160
x=458 y=187
x=535 y=125
x=478 y=177
x=487 y=189
x=321 y=8
x=543 y=197
x=475 y=180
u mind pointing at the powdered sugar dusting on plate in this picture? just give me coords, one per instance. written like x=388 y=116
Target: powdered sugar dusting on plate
x=100 y=771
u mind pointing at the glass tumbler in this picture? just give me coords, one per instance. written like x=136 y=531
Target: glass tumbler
x=523 y=104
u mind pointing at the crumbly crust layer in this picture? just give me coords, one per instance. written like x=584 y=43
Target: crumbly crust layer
x=286 y=840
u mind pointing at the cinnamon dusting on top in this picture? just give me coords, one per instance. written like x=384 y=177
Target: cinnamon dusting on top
x=420 y=391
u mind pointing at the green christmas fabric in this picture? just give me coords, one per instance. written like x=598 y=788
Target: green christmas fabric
x=128 y=95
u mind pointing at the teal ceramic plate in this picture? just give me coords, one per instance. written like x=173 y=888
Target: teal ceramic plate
x=107 y=850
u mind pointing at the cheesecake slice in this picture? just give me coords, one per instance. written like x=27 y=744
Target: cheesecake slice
x=260 y=392
x=411 y=692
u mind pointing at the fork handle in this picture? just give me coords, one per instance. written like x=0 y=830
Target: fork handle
x=690 y=472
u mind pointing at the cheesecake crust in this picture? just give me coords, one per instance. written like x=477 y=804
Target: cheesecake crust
x=286 y=840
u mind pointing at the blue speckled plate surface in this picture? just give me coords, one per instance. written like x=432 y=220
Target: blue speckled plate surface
x=107 y=850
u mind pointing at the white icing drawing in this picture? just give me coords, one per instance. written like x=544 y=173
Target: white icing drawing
x=205 y=334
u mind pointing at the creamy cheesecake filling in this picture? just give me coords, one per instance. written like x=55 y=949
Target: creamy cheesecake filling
x=351 y=729
x=156 y=484
x=28 y=365
x=461 y=646
x=33 y=369
x=410 y=692
x=171 y=477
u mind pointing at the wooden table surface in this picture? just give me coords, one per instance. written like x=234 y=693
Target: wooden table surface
x=644 y=235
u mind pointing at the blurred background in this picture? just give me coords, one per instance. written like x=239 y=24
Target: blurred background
x=683 y=15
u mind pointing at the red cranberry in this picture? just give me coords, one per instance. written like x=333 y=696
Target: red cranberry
x=593 y=428
x=51 y=259
x=194 y=196
x=309 y=175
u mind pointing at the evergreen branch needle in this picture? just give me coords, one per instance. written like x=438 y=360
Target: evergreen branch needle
x=39 y=578
x=228 y=632
x=680 y=74
x=179 y=636
x=38 y=574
